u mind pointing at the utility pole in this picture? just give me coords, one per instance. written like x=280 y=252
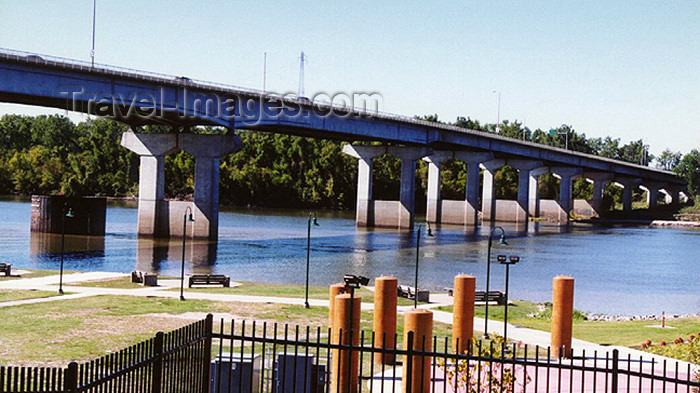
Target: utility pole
x=265 y=72
x=302 y=60
x=498 y=119
x=92 y=52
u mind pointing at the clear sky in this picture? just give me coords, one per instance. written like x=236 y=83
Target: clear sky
x=629 y=69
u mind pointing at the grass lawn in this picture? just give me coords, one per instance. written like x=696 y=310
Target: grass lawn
x=8 y=295
x=56 y=333
x=629 y=334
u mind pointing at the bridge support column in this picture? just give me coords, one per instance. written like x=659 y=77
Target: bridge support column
x=673 y=194
x=207 y=150
x=488 y=197
x=433 y=211
x=629 y=184
x=152 y=148
x=653 y=192
x=566 y=177
x=524 y=167
x=364 y=213
x=454 y=212
x=407 y=196
x=600 y=180
x=393 y=214
x=534 y=191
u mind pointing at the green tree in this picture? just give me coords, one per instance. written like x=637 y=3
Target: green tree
x=668 y=159
x=689 y=170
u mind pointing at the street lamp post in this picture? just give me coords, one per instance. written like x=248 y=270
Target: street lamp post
x=430 y=234
x=314 y=220
x=501 y=241
x=185 y=219
x=64 y=214
x=512 y=261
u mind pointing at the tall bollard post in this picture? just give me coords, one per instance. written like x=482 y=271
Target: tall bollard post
x=463 y=317
x=385 y=294
x=562 y=315
x=335 y=290
x=345 y=330
x=416 y=370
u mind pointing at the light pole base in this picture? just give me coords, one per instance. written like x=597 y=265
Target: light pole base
x=182 y=297
x=486 y=336
x=60 y=291
x=306 y=305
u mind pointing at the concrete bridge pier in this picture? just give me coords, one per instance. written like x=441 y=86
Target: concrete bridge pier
x=524 y=168
x=364 y=212
x=673 y=194
x=629 y=184
x=652 y=189
x=207 y=150
x=390 y=214
x=599 y=180
x=465 y=212
x=566 y=176
x=488 y=197
x=160 y=218
x=533 y=192
x=152 y=148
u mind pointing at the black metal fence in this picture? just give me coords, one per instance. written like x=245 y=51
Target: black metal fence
x=174 y=362
x=270 y=358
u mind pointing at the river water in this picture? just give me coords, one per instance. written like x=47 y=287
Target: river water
x=618 y=270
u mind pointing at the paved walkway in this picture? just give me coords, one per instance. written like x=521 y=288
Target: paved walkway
x=531 y=337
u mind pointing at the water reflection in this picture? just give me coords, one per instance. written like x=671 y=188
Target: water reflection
x=617 y=270
x=153 y=255
x=76 y=246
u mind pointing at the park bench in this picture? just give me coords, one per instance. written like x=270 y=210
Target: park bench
x=480 y=296
x=210 y=279
x=407 y=292
x=493 y=296
x=6 y=268
x=144 y=278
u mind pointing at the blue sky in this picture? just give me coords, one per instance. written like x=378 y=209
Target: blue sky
x=629 y=69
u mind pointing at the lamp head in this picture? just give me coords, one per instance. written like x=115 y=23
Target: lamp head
x=501 y=259
x=514 y=259
x=70 y=213
x=190 y=218
x=502 y=240
x=354 y=281
x=315 y=221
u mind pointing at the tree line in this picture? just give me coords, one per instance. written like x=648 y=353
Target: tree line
x=52 y=155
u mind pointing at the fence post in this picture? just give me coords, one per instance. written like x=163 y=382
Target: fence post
x=206 y=356
x=70 y=378
x=157 y=377
x=616 y=355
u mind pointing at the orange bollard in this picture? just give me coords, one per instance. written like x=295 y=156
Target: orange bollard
x=562 y=315
x=385 y=294
x=335 y=290
x=463 y=317
x=420 y=322
x=346 y=363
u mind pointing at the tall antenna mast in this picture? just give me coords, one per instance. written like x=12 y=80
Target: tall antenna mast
x=92 y=52
x=302 y=60
x=265 y=72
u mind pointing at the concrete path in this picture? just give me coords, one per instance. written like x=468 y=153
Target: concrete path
x=531 y=337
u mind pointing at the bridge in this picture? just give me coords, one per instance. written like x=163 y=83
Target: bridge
x=139 y=98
